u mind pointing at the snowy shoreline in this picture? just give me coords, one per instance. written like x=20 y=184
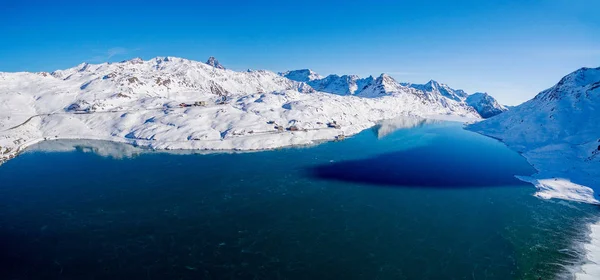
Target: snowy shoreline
x=557 y=132
x=173 y=103
x=589 y=269
x=548 y=182
x=247 y=142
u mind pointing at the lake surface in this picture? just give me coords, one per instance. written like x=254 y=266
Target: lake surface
x=429 y=202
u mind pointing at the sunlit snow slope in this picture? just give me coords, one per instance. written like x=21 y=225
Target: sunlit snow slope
x=559 y=133
x=175 y=103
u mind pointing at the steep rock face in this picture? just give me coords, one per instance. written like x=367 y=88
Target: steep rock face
x=382 y=86
x=212 y=61
x=558 y=131
x=486 y=105
x=342 y=85
x=434 y=88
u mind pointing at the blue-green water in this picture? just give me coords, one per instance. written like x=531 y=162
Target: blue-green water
x=431 y=202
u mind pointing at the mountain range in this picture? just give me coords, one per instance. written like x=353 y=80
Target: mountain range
x=176 y=103
x=370 y=87
x=110 y=82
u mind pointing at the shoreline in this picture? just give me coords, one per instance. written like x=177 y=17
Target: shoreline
x=246 y=142
x=555 y=187
x=205 y=145
x=589 y=267
x=589 y=249
x=549 y=183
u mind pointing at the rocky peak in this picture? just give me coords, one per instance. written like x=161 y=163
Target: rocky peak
x=432 y=85
x=212 y=61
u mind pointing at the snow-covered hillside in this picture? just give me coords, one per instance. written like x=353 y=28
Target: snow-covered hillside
x=342 y=85
x=433 y=88
x=302 y=75
x=483 y=103
x=559 y=133
x=175 y=103
x=431 y=92
x=486 y=105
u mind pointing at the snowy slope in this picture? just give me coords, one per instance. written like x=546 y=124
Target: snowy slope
x=431 y=92
x=559 y=133
x=138 y=102
x=485 y=104
x=433 y=88
x=342 y=85
x=302 y=75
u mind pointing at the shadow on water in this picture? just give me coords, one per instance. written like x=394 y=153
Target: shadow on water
x=447 y=162
x=132 y=213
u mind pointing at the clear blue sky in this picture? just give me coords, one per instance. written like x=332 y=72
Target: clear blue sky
x=511 y=49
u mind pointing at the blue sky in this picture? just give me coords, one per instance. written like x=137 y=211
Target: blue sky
x=511 y=49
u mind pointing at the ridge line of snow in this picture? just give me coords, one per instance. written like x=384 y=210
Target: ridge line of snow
x=194 y=106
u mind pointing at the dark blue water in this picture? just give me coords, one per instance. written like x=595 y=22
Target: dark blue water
x=431 y=202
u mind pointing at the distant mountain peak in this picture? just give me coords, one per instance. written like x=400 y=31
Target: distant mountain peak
x=486 y=105
x=434 y=87
x=302 y=75
x=433 y=83
x=385 y=78
x=135 y=60
x=212 y=61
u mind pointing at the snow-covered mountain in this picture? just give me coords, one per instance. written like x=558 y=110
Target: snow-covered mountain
x=485 y=104
x=559 y=133
x=175 y=103
x=432 y=92
x=302 y=75
x=212 y=61
x=171 y=74
x=342 y=85
x=433 y=88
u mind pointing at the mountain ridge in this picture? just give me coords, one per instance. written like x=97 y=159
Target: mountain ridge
x=558 y=133
x=384 y=84
x=176 y=103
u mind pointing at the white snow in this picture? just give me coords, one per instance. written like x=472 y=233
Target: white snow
x=137 y=102
x=302 y=75
x=433 y=91
x=486 y=105
x=590 y=269
x=558 y=132
x=434 y=87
